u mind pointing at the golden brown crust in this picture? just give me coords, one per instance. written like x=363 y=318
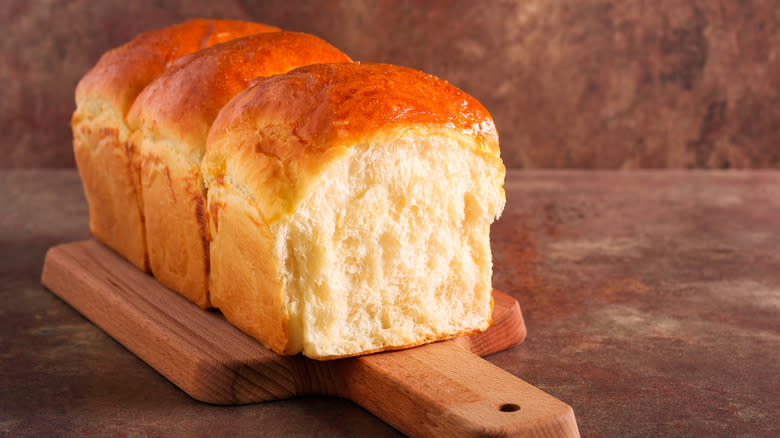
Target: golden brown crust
x=122 y=73
x=284 y=129
x=338 y=103
x=184 y=101
x=169 y=122
x=109 y=166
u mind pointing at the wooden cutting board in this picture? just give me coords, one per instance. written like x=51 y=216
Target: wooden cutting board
x=440 y=389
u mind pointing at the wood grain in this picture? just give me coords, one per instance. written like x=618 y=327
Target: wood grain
x=443 y=390
x=431 y=390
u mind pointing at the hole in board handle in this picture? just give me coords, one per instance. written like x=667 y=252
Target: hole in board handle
x=509 y=407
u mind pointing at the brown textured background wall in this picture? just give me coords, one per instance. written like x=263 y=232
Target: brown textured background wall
x=571 y=83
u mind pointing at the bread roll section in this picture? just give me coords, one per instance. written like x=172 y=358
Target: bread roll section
x=169 y=122
x=108 y=165
x=350 y=208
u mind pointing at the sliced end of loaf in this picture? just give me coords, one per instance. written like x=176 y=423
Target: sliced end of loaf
x=389 y=249
x=392 y=247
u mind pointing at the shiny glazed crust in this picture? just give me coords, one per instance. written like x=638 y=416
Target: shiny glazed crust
x=277 y=144
x=109 y=167
x=269 y=147
x=169 y=123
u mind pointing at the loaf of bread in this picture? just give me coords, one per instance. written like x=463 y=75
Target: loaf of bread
x=333 y=209
x=168 y=124
x=349 y=210
x=109 y=167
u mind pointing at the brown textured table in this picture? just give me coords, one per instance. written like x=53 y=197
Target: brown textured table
x=652 y=301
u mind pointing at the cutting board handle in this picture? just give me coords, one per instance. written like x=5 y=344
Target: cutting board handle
x=444 y=390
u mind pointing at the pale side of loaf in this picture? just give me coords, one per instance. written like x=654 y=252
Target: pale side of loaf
x=350 y=208
x=169 y=123
x=109 y=167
